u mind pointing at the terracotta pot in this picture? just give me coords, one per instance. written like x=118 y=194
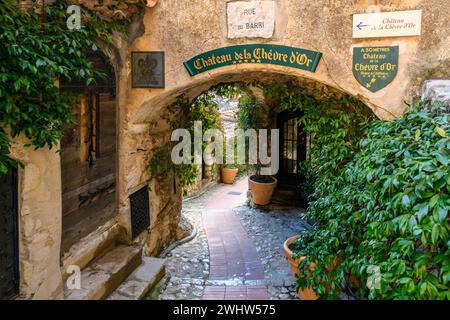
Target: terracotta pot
x=353 y=281
x=151 y=3
x=261 y=192
x=307 y=293
x=228 y=175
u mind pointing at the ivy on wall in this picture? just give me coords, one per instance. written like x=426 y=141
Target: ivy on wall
x=37 y=49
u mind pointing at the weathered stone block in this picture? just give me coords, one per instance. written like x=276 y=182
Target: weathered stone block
x=145 y=277
x=436 y=90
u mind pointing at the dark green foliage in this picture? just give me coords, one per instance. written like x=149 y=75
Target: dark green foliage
x=35 y=52
x=385 y=209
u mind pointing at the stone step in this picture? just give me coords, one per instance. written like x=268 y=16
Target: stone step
x=141 y=281
x=90 y=247
x=105 y=274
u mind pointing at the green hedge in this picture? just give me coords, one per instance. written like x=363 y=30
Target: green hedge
x=383 y=216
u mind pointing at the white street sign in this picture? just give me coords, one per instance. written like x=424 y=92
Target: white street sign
x=387 y=24
x=251 y=19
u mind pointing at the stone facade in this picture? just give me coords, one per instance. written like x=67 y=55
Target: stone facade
x=183 y=29
x=39 y=221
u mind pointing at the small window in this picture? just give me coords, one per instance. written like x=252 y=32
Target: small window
x=140 y=212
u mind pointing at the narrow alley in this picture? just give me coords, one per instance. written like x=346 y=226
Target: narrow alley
x=237 y=251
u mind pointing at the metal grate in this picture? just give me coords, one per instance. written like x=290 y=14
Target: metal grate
x=234 y=193
x=9 y=258
x=140 y=212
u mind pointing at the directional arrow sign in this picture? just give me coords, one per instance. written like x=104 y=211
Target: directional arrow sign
x=387 y=24
x=361 y=25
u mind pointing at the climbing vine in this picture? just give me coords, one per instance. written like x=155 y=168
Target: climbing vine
x=38 y=49
x=336 y=126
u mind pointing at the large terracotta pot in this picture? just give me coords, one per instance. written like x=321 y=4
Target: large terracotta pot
x=261 y=192
x=307 y=293
x=228 y=175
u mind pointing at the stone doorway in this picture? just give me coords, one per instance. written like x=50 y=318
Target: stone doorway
x=9 y=251
x=292 y=148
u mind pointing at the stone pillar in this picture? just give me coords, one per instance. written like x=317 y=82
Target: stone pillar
x=40 y=214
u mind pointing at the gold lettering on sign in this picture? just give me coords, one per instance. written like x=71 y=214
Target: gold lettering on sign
x=201 y=63
x=300 y=59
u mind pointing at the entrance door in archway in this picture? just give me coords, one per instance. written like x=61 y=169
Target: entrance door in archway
x=292 y=148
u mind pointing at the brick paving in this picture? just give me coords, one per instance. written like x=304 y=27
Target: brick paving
x=232 y=252
x=235 y=293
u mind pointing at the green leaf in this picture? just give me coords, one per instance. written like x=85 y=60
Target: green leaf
x=442 y=214
x=433 y=201
x=417 y=134
x=441 y=132
x=435 y=234
x=40 y=62
x=423 y=288
x=405 y=201
x=422 y=210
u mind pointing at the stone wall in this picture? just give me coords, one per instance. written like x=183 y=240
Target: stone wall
x=39 y=221
x=184 y=29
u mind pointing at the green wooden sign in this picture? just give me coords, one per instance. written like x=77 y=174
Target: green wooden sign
x=375 y=67
x=254 y=53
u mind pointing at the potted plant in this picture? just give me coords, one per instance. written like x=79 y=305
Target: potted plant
x=290 y=245
x=229 y=173
x=294 y=251
x=261 y=188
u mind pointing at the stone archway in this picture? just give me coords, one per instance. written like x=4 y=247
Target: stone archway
x=183 y=30
x=146 y=131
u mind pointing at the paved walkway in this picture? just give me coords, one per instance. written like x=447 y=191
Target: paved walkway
x=237 y=253
x=233 y=255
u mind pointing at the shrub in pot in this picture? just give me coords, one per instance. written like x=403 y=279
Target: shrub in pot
x=304 y=269
x=229 y=173
x=289 y=246
x=385 y=212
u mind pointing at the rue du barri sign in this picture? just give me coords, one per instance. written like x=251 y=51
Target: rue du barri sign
x=375 y=67
x=251 y=19
x=254 y=53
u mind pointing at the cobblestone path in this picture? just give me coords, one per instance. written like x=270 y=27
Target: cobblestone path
x=237 y=252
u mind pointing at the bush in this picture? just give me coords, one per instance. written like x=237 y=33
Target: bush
x=383 y=216
x=33 y=54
